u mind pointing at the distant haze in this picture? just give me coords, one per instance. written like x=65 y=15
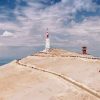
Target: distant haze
x=10 y=53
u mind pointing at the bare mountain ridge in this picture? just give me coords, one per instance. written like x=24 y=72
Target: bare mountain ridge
x=38 y=77
x=60 y=52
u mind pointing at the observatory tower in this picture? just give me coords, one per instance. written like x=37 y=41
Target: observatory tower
x=47 y=41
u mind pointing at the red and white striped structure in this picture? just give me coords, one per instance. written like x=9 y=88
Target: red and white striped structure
x=47 y=41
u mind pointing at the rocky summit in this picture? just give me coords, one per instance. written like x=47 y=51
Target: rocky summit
x=53 y=75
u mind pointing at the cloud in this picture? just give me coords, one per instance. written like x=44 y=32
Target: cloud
x=62 y=19
x=7 y=34
x=89 y=27
x=1 y=44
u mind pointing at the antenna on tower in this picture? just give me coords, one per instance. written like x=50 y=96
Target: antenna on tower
x=47 y=29
x=47 y=34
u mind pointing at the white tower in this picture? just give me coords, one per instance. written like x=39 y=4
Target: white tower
x=47 y=42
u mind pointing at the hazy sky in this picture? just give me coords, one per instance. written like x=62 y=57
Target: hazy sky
x=71 y=23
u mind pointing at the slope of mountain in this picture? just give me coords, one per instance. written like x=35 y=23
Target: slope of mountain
x=55 y=75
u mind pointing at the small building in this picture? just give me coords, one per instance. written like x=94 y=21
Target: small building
x=84 y=50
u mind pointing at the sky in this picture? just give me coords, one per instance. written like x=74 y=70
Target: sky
x=71 y=23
